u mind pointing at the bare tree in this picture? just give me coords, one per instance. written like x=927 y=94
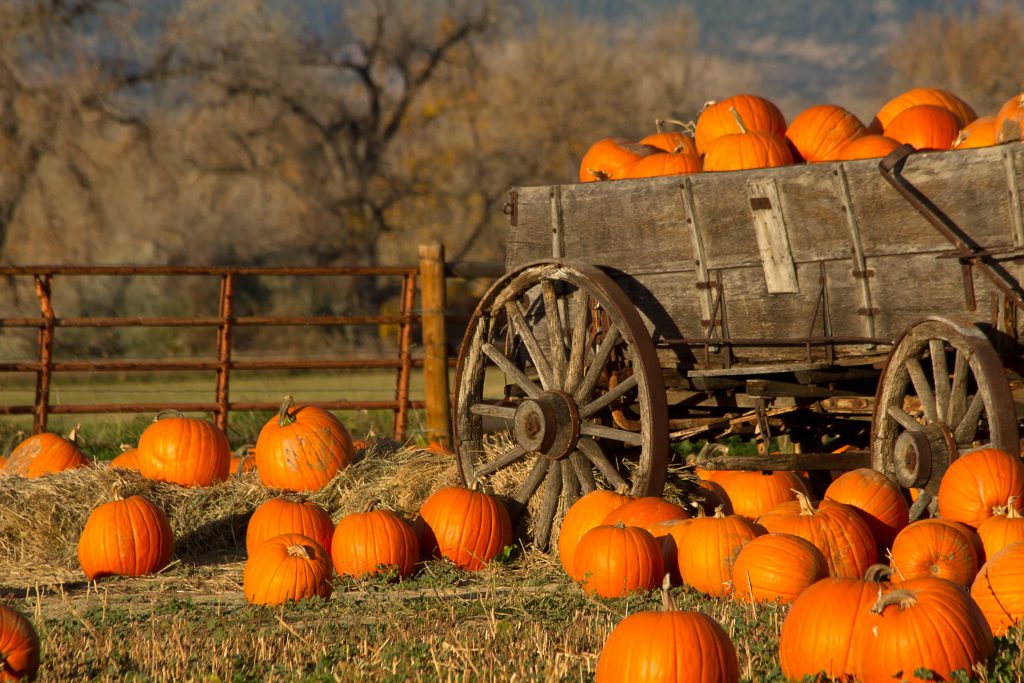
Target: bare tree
x=966 y=55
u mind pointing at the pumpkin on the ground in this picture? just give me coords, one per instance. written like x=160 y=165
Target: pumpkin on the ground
x=613 y=561
x=752 y=494
x=931 y=547
x=289 y=514
x=187 y=451
x=1006 y=526
x=837 y=530
x=45 y=453
x=776 y=568
x=302 y=448
x=817 y=632
x=669 y=534
x=708 y=547
x=126 y=537
x=998 y=589
x=467 y=527
x=243 y=460
x=645 y=512
x=978 y=483
x=586 y=513
x=927 y=623
x=668 y=645
x=289 y=567
x=19 y=646
x=373 y=542
x=128 y=459
x=877 y=499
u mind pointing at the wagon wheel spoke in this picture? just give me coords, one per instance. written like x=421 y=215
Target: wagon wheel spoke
x=548 y=505
x=958 y=390
x=611 y=433
x=578 y=341
x=592 y=452
x=586 y=386
x=905 y=420
x=513 y=373
x=920 y=506
x=556 y=335
x=922 y=388
x=499 y=463
x=621 y=389
x=553 y=350
x=971 y=405
x=940 y=376
x=519 y=326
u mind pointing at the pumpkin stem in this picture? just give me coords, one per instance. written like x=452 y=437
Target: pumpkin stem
x=707 y=104
x=284 y=418
x=687 y=126
x=169 y=412
x=901 y=596
x=622 y=489
x=118 y=490
x=739 y=119
x=668 y=603
x=300 y=551
x=878 y=573
x=806 y=506
x=369 y=506
x=719 y=514
x=598 y=174
x=73 y=434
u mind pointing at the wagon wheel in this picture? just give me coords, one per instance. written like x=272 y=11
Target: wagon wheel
x=552 y=349
x=943 y=392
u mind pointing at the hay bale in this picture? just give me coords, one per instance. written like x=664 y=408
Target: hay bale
x=41 y=519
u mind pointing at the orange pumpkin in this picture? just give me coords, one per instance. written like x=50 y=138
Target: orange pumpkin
x=710 y=496
x=927 y=623
x=877 y=499
x=665 y=163
x=1006 y=526
x=289 y=567
x=374 y=541
x=44 y=454
x=737 y=114
x=998 y=589
x=586 y=513
x=915 y=96
x=834 y=528
x=645 y=512
x=866 y=147
x=673 y=141
x=930 y=547
x=612 y=561
x=612 y=158
x=243 y=460
x=980 y=133
x=125 y=537
x=817 y=632
x=925 y=126
x=776 y=568
x=1009 y=124
x=288 y=515
x=127 y=460
x=708 y=547
x=978 y=483
x=19 y=646
x=752 y=494
x=302 y=448
x=668 y=534
x=183 y=450
x=818 y=132
x=469 y=528
x=670 y=645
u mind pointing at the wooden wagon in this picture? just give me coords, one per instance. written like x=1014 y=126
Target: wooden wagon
x=868 y=310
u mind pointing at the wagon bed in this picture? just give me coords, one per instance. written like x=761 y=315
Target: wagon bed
x=870 y=306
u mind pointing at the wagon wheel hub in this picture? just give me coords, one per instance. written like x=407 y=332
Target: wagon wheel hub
x=921 y=456
x=548 y=424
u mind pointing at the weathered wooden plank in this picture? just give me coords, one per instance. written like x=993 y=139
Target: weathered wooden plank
x=850 y=460
x=772 y=238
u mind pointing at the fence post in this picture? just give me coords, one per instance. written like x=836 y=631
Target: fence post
x=435 y=344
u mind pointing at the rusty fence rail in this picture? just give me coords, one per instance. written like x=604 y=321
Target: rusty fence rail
x=226 y=323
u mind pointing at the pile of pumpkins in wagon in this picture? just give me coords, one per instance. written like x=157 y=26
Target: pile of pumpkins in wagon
x=870 y=594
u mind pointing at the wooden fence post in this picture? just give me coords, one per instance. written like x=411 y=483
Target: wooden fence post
x=435 y=343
